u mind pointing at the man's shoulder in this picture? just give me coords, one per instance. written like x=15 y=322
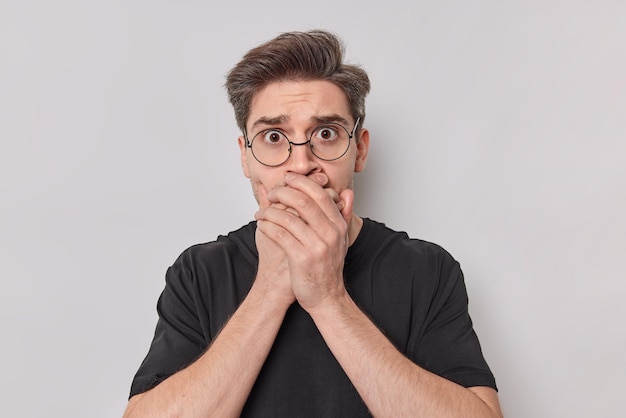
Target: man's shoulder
x=382 y=235
x=239 y=242
x=393 y=249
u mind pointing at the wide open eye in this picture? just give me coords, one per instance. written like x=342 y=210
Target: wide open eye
x=272 y=137
x=325 y=134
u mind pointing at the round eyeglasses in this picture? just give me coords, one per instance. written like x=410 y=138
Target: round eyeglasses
x=328 y=142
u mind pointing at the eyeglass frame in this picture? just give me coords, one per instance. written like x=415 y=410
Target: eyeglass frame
x=291 y=144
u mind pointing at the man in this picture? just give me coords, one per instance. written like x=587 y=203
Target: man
x=310 y=310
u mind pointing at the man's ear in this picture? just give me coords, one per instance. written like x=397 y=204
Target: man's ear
x=361 y=150
x=244 y=156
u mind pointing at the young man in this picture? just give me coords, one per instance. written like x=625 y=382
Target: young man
x=310 y=310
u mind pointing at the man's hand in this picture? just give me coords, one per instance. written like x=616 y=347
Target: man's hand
x=312 y=232
x=273 y=271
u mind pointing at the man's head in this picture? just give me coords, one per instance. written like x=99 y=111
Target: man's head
x=296 y=56
x=295 y=92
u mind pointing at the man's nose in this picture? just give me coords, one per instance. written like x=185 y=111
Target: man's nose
x=302 y=160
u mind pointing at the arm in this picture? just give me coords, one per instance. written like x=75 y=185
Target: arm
x=389 y=383
x=218 y=382
x=226 y=371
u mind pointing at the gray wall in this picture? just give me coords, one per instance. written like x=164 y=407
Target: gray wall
x=498 y=131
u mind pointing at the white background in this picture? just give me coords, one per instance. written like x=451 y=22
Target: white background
x=498 y=131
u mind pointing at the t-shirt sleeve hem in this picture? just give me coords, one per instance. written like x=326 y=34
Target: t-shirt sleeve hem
x=143 y=385
x=468 y=380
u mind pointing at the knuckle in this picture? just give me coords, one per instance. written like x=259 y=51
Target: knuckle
x=303 y=202
x=321 y=249
x=281 y=234
x=290 y=218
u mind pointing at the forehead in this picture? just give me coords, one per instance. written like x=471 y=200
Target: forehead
x=298 y=100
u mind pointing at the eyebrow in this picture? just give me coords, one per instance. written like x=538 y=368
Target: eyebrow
x=265 y=120
x=330 y=119
x=280 y=119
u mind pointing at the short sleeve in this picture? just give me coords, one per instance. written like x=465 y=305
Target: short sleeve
x=449 y=345
x=178 y=337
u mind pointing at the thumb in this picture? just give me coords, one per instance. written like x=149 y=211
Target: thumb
x=347 y=196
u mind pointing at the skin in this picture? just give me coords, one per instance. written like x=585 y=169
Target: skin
x=305 y=225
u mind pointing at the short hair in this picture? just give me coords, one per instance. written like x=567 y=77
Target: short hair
x=312 y=55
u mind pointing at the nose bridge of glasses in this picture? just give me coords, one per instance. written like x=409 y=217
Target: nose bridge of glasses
x=295 y=145
x=301 y=159
x=308 y=141
x=293 y=139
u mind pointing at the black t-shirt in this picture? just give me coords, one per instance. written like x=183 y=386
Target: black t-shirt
x=411 y=289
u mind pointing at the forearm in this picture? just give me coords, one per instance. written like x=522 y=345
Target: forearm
x=389 y=383
x=219 y=382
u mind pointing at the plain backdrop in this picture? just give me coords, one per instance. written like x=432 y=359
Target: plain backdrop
x=498 y=130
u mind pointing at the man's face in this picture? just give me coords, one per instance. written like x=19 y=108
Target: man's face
x=296 y=108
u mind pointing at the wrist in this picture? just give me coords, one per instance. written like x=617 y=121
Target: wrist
x=334 y=305
x=270 y=293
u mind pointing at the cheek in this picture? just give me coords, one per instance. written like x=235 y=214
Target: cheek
x=268 y=178
x=255 y=190
x=257 y=184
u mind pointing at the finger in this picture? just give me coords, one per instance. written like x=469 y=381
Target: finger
x=314 y=197
x=336 y=198
x=278 y=225
x=284 y=207
x=306 y=206
x=319 y=215
x=322 y=180
x=264 y=202
x=319 y=178
x=301 y=242
x=347 y=197
x=292 y=211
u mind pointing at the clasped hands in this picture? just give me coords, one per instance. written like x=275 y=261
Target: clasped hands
x=302 y=239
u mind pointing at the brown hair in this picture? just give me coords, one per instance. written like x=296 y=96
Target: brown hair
x=312 y=55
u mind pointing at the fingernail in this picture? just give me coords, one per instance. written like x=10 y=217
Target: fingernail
x=290 y=176
x=322 y=179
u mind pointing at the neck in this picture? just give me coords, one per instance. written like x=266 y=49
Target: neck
x=354 y=228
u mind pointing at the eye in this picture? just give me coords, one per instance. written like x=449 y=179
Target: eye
x=325 y=134
x=271 y=137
